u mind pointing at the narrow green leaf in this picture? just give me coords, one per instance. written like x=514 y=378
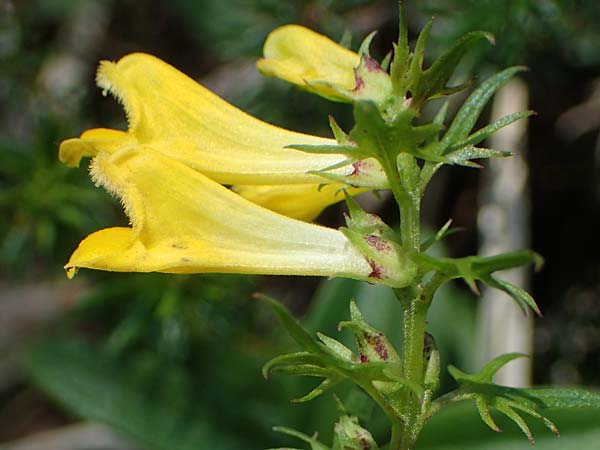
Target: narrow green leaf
x=441 y=234
x=484 y=413
x=463 y=156
x=516 y=418
x=288 y=359
x=312 y=440
x=492 y=128
x=567 y=398
x=488 y=371
x=489 y=264
x=468 y=114
x=435 y=78
x=521 y=296
x=299 y=334
x=415 y=71
x=400 y=62
x=323 y=387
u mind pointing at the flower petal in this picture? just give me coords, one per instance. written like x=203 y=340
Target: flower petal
x=175 y=115
x=299 y=201
x=309 y=60
x=183 y=222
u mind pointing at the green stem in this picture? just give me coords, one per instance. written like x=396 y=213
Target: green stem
x=409 y=205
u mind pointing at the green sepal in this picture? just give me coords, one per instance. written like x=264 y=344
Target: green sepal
x=349 y=435
x=433 y=81
x=365 y=45
x=362 y=222
x=372 y=344
x=336 y=348
x=431 y=356
x=365 y=173
x=467 y=116
x=340 y=136
x=377 y=242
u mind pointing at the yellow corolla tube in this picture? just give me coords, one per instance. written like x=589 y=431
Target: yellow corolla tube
x=178 y=117
x=300 y=201
x=184 y=222
x=309 y=60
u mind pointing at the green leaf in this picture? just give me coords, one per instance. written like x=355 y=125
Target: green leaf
x=487 y=131
x=435 y=78
x=521 y=296
x=311 y=440
x=463 y=156
x=415 y=70
x=488 y=371
x=459 y=427
x=439 y=235
x=467 y=116
x=288 y=359
x=96 y=389
x=299 y=334
x=400 y=63
x=564 y=398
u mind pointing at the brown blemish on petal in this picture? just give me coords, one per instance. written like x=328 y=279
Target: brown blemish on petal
x=179 y=246
x=185 y=260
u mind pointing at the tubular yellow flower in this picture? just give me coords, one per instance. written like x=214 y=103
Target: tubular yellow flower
x=310 y=61
x=176 y=116
x=299 y=201
x=183 y=222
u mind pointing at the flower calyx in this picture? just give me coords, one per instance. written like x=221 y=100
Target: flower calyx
x=378 y=243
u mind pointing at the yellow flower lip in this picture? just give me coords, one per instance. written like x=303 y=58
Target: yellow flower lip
x=183 y=222
x=309 y=60
x=178 y=117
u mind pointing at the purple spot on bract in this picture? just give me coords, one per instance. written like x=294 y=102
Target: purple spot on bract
x=371 y=64
x=360 y=83
x=377 y=243
x=376 y=270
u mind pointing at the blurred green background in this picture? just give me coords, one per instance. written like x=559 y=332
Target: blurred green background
x=173 y=362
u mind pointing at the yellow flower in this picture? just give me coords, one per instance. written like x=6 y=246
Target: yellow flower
x=178 y=117
x=300 y=201
x=183 y=222
x=310 y=61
